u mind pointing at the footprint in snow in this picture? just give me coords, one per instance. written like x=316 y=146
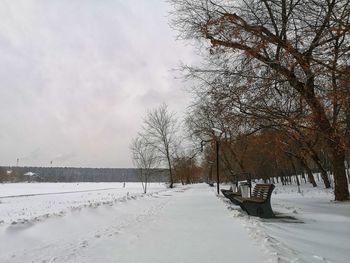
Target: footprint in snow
x=320 y=258
x=84 y=244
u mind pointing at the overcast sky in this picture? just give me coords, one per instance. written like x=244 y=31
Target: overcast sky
x=77 y=76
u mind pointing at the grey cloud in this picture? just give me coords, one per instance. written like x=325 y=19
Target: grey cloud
x=77 y=77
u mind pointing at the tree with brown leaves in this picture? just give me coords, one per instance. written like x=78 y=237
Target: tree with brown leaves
x=289 y=54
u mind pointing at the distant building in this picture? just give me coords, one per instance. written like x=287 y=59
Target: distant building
x=32 y=177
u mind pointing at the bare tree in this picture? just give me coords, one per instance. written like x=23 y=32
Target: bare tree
x=159 y=131
x=145 y=158
x=286 y=61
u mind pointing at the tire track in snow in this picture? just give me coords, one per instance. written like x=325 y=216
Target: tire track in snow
x=58 y=193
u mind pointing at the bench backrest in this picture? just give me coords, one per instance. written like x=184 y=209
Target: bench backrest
x=263 y=191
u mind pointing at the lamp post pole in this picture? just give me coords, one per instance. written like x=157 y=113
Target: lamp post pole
x=217 y=167
x=217 y=134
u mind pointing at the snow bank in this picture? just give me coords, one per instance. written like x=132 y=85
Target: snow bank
x=32 y=202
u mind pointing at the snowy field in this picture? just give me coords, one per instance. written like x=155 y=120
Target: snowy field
x=28 y=202
x=104 y=222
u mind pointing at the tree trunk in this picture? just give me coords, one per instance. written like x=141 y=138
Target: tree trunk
x=171 y=176
x=282 y=180
x=296 y=175
x=323 y=171
x=325 y=178
x=341 y=190
x=309 y=173
x=188 y=180
x=146 y=181
x=333 y=141
x=311 y=177
x=142 y=180
x=170 y=170
x=303 y=176
x=297 y=180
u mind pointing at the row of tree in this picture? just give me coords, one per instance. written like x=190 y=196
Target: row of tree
x=275 y=79
x=267 y=155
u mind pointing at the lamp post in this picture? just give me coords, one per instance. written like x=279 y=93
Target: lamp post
x=217 y=133
x=217 y=167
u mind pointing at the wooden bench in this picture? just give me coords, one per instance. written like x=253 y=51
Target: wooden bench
x=259 y=204
x=230 y=193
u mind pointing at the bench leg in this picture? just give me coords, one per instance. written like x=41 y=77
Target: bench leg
x=263 y=210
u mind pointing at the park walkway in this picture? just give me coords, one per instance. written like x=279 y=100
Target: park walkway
x=180 y=225
x=193 y=226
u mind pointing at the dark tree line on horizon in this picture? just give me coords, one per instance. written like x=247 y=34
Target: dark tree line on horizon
x=67 y=174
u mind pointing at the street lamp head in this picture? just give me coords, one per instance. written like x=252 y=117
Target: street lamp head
x=202 y=146
x=217 y=132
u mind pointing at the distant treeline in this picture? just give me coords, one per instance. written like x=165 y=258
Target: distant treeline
x=69 y=174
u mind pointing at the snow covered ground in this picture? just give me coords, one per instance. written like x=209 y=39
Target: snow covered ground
x=186 y=224
x=319 y=232
x=27 y=202
x=324 y=235
x=104 y=222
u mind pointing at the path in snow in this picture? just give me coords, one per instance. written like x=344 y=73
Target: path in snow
x=57 y=193
x=181 y=225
